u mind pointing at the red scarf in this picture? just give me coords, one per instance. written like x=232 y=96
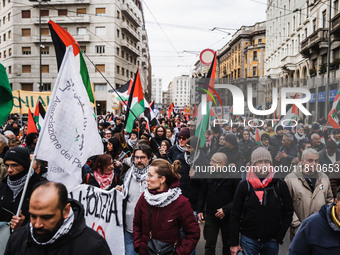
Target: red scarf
x=256 y=182
x=103 y=179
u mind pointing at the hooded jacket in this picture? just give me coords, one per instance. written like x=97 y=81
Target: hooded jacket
x=166 y=223
x=79 y=240
x=317 y=235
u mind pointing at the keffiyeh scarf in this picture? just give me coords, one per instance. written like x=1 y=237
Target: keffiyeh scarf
x=182 y=149
x=162 y=199
x=17 y=185
x=104 y=180
x=138 y=174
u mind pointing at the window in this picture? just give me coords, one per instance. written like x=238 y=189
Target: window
x=62 y=12
x=83 y=48
x=4 y=37
x=117 y=33
x=46 y=87
x=81 y=31
x=254 y=71
x=5 y=54
x=260 y=41
x=100 y=11
x=26 y=50
x=100 y=87
x=45 y=50
x=9 y=16
x=27 y=86
x=3 y=20
x=314 y=25
x=123 y=71
x=10 y=69
x=100 y=30
x=118 y=14
x=3 y=3
x=255 y=56
x=10 y=52
x=45 y=68
x=9 y=34
x=123 y=54
x=45 y=13
x=100 y=49
x=45 y=31
x=336 y=7
x=26 y=69
x=117 y=69
x=26 y=14
x=81 y=12
x=324 y=19
x=26 y=32
x=101 y=68
x=117 y=51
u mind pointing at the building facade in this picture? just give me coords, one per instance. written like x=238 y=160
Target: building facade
x=180 y=91
x=110 y=33
x=156 y=91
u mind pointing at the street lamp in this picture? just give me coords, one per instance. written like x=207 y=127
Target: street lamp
x=328 y=60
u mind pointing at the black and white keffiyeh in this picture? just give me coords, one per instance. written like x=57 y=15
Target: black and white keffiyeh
x=162 y=199
x=63 y=230
x=17 y=185
x=131 y=143
x=134 y=172
x=188 y=160
x=182 y=149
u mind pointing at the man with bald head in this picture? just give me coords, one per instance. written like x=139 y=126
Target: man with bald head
x=57 y=226
x=215 y=202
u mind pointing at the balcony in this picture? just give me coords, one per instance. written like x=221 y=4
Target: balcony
x=336 y=23
x=64 y=20
x=44 y=39
x=125 y=27
x=130 y=48
x=288 y=63
x=130 y=15
x=314 y=42
x=67 y=2
x=82 y=38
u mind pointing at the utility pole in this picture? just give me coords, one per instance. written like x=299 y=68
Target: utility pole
x=40 y=60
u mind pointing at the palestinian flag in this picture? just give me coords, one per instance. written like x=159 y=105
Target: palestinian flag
x=291 y=115
x=39 y=115
x=152 y=105
x=171 y=108
x=123 y=92
x=149 y=114
x=257 y=137
x=31 y=127
x=6 y=96
x=136 y=103
x=333 y=118
x=62 y=39
x=203 y=120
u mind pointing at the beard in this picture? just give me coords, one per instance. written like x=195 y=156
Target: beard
x=45 y=235
x=140 y=166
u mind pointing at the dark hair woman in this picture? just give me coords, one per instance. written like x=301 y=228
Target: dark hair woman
x=123 y=143
x=162 y=211
x=165 y=146
x=159 y=136
x=103 y=175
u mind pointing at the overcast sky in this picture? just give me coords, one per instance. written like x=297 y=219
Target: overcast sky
x=177 y=26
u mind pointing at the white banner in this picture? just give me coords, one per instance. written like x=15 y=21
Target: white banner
x=70 y=135
x=103 y=213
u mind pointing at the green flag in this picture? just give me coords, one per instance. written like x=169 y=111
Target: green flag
x=6 y=96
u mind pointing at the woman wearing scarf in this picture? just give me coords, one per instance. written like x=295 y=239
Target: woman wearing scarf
x=103 y=175
x=17 y=162
x=262 y=209
x=159 y=136
x=170 y=135
x=132 y=140
x=169 y=211
x=179 y=148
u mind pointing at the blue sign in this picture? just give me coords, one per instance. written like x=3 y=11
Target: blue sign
x=321 y=96
x=332 y=94
x=312 y=99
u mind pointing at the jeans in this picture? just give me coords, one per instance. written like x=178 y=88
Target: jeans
x=128 y=240
x=183 y=234
x=253 y=247
x=211 y=228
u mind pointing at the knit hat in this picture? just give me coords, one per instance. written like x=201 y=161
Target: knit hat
x=185 y=132
x=316 y=126
x=260 y=154
x=231 y=139
x=19 y=155
x=265 y=136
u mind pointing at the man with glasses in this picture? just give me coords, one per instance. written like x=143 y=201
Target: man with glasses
x=17 y=162
x=176 y=149
x=107 y=135
x=309 y=187
x=134 y=185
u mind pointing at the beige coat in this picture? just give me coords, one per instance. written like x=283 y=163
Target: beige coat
x=3 y=170
x=305 y=201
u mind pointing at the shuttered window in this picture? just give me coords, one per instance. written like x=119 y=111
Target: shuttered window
x=101 y=68
x=26 y=68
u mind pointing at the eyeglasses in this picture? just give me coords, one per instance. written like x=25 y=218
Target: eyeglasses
x=140 y=158
x=182 y=138
x=312 y=160
x=13 y=166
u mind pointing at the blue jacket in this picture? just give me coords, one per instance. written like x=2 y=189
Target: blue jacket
x=317 y=235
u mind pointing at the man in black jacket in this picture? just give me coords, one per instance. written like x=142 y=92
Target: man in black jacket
x=216 y=199
x=262 y=209
x=275 y=140
x=57 y=226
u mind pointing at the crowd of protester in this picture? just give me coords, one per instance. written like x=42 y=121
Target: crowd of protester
x=285 y=181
